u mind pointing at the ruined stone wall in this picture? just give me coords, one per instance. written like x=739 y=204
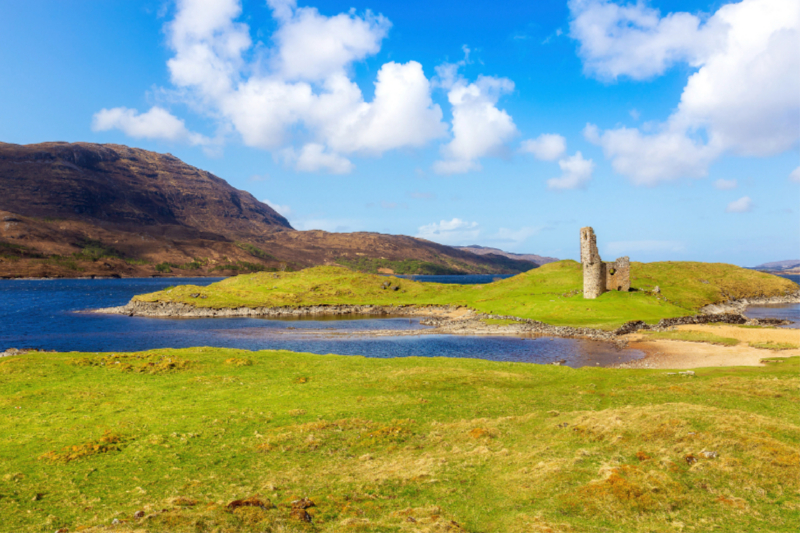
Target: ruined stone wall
x=618 y=275
x=594 y=277
x=599 y=277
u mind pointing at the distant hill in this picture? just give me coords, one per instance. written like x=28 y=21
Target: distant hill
x=787 y=266
x=82 y=209
x=780 y=265
x=484 y=250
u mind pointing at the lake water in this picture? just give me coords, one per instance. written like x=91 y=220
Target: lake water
x=46 y=314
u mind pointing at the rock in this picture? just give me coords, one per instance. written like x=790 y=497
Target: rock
x=62 y=530
x=690 y=459
x=138 y=514
x=687 y=373
x=253 y=501
x=304 y=503
x=203 y=296
x=396 y=288
x=116 y=521
x=301 y=514
x=411 y=519
x=709 y=454
x=657 y=290
x=195 y=295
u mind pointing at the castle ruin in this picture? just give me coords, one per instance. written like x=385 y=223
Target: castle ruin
x=599 y=277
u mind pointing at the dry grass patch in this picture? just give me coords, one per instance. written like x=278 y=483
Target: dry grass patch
x=109 y=442
x=143 y=363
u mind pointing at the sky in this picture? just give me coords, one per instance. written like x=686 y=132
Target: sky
x=671 y=127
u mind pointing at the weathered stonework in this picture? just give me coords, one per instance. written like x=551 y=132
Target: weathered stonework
x=599 y=277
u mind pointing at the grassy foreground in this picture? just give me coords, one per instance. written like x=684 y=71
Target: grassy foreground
x=551 y=293
x=398 y=445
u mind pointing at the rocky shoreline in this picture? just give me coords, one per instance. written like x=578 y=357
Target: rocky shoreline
x=450 y=320
x=740 y=306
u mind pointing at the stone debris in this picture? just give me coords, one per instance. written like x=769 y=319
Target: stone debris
x=709 y=454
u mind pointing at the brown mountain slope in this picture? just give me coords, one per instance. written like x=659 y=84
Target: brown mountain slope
x=81 y=209
x=485 y=250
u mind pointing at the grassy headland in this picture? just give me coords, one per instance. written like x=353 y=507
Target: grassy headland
x=551 y=293
x=397 y=445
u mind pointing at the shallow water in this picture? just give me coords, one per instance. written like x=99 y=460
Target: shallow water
x=45 y=314
x=783 y=311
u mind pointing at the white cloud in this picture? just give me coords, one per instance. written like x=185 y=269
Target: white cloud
x=547 y=146
x=634 y=40
x=575 y=173
x=744 y=98
x=650 y=159
x=158 y=123
x=314 y=157
x=795 y=175
x=742 y=205
x=629 y=248
x=283 y=210
x=451 y=232
x=480 y=129
x=313 y=47
x=725 y=185
x=299 y=87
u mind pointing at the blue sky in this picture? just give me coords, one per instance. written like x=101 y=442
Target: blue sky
x=671 y=127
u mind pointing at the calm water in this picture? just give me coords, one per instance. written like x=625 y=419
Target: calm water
x=784 y=311
x=45 y=314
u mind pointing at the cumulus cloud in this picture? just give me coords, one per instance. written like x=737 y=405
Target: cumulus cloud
x=725 y=185
x=455 y=231
x=547 y=147
x=744 y=97
x=314 y=157
x=795 y=175
x=742 y=205
x=157 y=123
x=283 y=210
x=300 y=87
x=575 y=173
x=479 y=128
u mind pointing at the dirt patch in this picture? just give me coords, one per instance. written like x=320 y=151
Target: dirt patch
x=749 y=334
x=143 y=363
x=109 y=442
x=680 y=354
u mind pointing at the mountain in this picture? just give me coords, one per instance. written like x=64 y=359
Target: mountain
x=484 y=250
x=780 y=265
x=787 y=266
x=82 y=209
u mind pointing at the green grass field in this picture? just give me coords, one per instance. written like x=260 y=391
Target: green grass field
x=551 y=293
x=395 y=445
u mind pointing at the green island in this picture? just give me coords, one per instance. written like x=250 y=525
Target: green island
x=220 y=440
x=550 y=294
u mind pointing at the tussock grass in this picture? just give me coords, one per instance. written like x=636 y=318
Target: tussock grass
x=691 y=336
x=452 y=445
x=551 y=293
x=777 y=346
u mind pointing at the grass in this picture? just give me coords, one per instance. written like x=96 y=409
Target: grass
x=551 y=293
x=769 y=345
x=691 y=336
x=456 y=445
x=404 y=267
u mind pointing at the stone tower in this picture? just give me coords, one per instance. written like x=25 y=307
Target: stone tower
x=599 y=277
x=594 y=279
